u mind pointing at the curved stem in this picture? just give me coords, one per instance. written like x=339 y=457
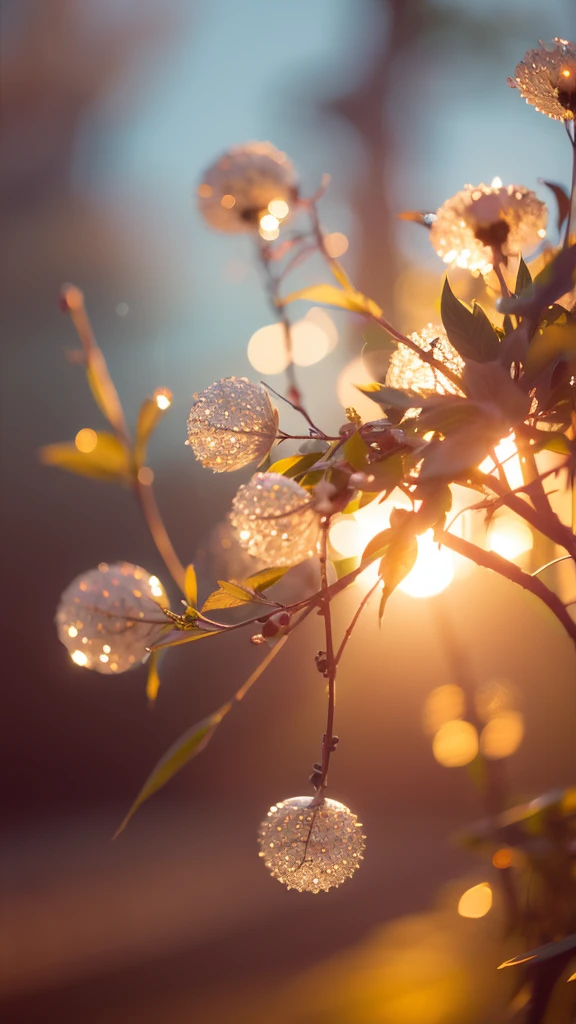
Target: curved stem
x=155 y=524
x=273 y=291
x=325 y=611
x=490 y=560
x=355 y=618
x=572 y=210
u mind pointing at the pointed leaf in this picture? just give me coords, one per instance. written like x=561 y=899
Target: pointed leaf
x=468 y=330
x=391 y=398
x=188 y=746
x=103 y=390
x=329 y=295
x=523 y=278
x=550 y=284
x=149 y=417
x=266 y=577
x=562 y=201
x=378 y=546
x=549 y=344
x=191 y=586
x=356 y=451
x=108 y=460
x=550 y=951
x=295 y=464
x=177 y=637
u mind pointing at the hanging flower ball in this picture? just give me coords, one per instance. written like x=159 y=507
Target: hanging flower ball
x=274 y=519
x=109 y=616
x=231 y=424
x=482 y=218
x=250 y=188
x=406 y=371
x=311 y=850
x=546 y=78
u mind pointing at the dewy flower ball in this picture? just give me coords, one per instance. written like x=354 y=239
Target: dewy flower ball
x=249 y=185
x=546 y=79
x=406 y=371
x=482 y=218
x=274 y=519
x=231 y=424
x=108 y=617
x=311 y=850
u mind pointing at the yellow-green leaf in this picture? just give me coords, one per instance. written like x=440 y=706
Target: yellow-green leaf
x=153 y=680
x=191 y=586
x=343 y=566
x=149 y=417
x=266 y=577
x=548 y=344
x=188 y=746
x=108 y=460
x=329 y=295
x=295 y=464
x=103 y=390
x=177 y=637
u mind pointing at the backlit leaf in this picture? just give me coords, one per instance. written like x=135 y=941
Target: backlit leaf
x=523 y=278
x=329 y=295
x=266 y=577
x=149 y=417
x=549 y=344
x=550 y=284
x=108 y=460
x=191 y=586
x=177 y=637
x=183 y=750
x=153 y=680
x=562 y=201
x=550 y=951
x=295 y=464
x=103 y=390
x=468 y=330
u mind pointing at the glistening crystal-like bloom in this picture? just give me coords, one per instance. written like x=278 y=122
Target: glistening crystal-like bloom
x=406 y=371
x=109 y=616
x=231 y=424
x=311 y=850
x=546 y=78
x=250 y=188
x=482 y=218
x=274 y=519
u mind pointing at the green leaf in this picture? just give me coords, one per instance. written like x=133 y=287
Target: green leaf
x=356 y=452
x=153 y=680
x=108 y=460
x=553 y=441
x=191 y=586
x=550 y=284
x=183 y=750
x=149 y=417
x=549 y=344
x=387 y=475
x=259 y=581
x=391 y=398
x=523 y=278
x=293 y=465
x=231 y=595
x=329 y=295
x=343 y=566
x=468 y=330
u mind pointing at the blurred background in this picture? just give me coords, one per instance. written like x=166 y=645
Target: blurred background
x=110 y=113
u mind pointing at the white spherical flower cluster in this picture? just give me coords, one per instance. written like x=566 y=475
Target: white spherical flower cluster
x=546 y=78
x=231 y=424
x=406 y=371
x=109 y=616
x=274 y=519
x=311 y=850
x=250 y=188
x=482 y=218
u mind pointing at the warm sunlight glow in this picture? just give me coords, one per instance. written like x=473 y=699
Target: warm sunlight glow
x=506 y=453
x=267 y=350
x=322 y=319
x=86 y=440
x=444 y=704
x=278 y=208
x=145 y=476
x=310 y=343
x=475 y=902
x=496 y=182
x=433 y=571
x=163 y=398
x=509 y=536
x=503 y=858
x=79 y=658
x=269 y=227
x=336 y=244
x=345 y=537
x=455 y=744
x=349 y=396
x=228 y=202
x=72 y=631
x=502 y=735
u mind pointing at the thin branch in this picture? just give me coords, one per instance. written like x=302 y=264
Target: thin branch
x=490 y=560
x=328 y=738
x=151 y=512
x=355 y=618
x=563 y=558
